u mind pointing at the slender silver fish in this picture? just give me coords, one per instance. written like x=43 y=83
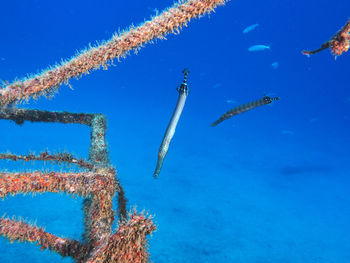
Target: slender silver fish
x=170 y=131
x=250 y=28
x=258 y=48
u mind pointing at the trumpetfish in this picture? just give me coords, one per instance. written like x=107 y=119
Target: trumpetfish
x=243 y=108
x=170 y=131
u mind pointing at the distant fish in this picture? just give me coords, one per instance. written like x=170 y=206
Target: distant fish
x=275 y=65
x=258 y=48
x=288 y=132
x=231 y=101
x=217 y=85
x=250 y=28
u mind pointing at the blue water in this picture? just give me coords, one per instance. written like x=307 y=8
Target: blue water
x=268 y=186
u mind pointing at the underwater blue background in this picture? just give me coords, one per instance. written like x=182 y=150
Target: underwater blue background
x=269 y=185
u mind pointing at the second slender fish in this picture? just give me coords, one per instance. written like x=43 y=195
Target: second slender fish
x=243 y=108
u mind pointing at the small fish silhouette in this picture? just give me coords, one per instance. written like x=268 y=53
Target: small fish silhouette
x=275 y=65
x=258 y=48
x=250 y=28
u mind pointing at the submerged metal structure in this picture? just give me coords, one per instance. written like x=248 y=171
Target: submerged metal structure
x=97 y=183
